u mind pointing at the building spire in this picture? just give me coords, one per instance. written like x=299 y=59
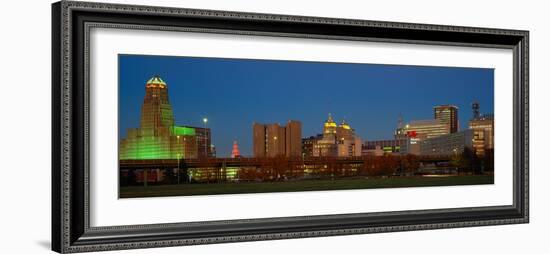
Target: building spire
x=400 y=122
x=156 y=82
x=235 y=152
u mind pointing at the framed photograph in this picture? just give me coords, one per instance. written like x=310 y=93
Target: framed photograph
x=182 y=126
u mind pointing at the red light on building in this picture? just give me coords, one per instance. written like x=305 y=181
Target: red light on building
x=411 y=134
x=235 y=152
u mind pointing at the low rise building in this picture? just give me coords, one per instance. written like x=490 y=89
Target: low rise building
x=308 y=145
x=381 y=147
x=450 y=144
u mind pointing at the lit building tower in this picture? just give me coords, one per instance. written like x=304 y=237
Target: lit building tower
x=235 y=152
x=484 y=131
x=344 y=131
x=156 y=112
x=157 y=137
x=447 y=114
x=329 y=129
x=326 y=146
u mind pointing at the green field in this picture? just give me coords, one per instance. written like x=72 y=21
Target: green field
x=303 y=185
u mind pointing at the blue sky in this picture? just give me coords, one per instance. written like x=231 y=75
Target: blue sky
x=234 y=93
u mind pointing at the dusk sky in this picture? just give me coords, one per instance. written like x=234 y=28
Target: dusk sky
x=235 y=93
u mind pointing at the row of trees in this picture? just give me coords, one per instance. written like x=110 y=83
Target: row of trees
x=469 y=162
x=284 y=168
x=281 y=168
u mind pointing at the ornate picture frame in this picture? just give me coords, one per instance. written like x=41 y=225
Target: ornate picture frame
x=71 y=229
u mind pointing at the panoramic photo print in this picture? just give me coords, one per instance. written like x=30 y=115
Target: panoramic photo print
x=205 y=126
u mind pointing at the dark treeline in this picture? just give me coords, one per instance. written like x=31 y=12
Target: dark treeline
x=284 y=169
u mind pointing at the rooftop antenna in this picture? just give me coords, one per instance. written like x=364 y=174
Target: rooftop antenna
x=475 y=109
x=400 y=122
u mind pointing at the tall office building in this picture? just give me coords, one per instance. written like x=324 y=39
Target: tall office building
x=447 y=114
x=157 y=137
x=483 y=127
x=293 y=139
x=204 y=142
x=484 y=132
x=271 y=140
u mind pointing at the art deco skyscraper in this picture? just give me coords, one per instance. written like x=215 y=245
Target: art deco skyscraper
x=156 y=111
x=157 y=137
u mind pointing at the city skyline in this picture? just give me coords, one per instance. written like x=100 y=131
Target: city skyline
x=369 y=97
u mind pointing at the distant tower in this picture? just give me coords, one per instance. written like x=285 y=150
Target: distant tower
x=235 y=152
x=400 y=122
x=475 y=109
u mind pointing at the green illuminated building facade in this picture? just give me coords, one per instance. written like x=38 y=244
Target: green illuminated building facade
x=158 y=137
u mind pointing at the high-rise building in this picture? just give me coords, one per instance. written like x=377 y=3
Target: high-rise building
x=204 y=142
x=157 y=137
x=293 y=139
x=483 y=127
x=271 y=140
x=447 y=114
x=484 y=133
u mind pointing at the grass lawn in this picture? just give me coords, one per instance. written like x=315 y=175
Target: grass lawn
x=304 y=185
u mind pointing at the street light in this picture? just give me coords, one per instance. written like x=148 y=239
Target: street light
x=456 y=158
x=205 y=120
x=178 y=167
